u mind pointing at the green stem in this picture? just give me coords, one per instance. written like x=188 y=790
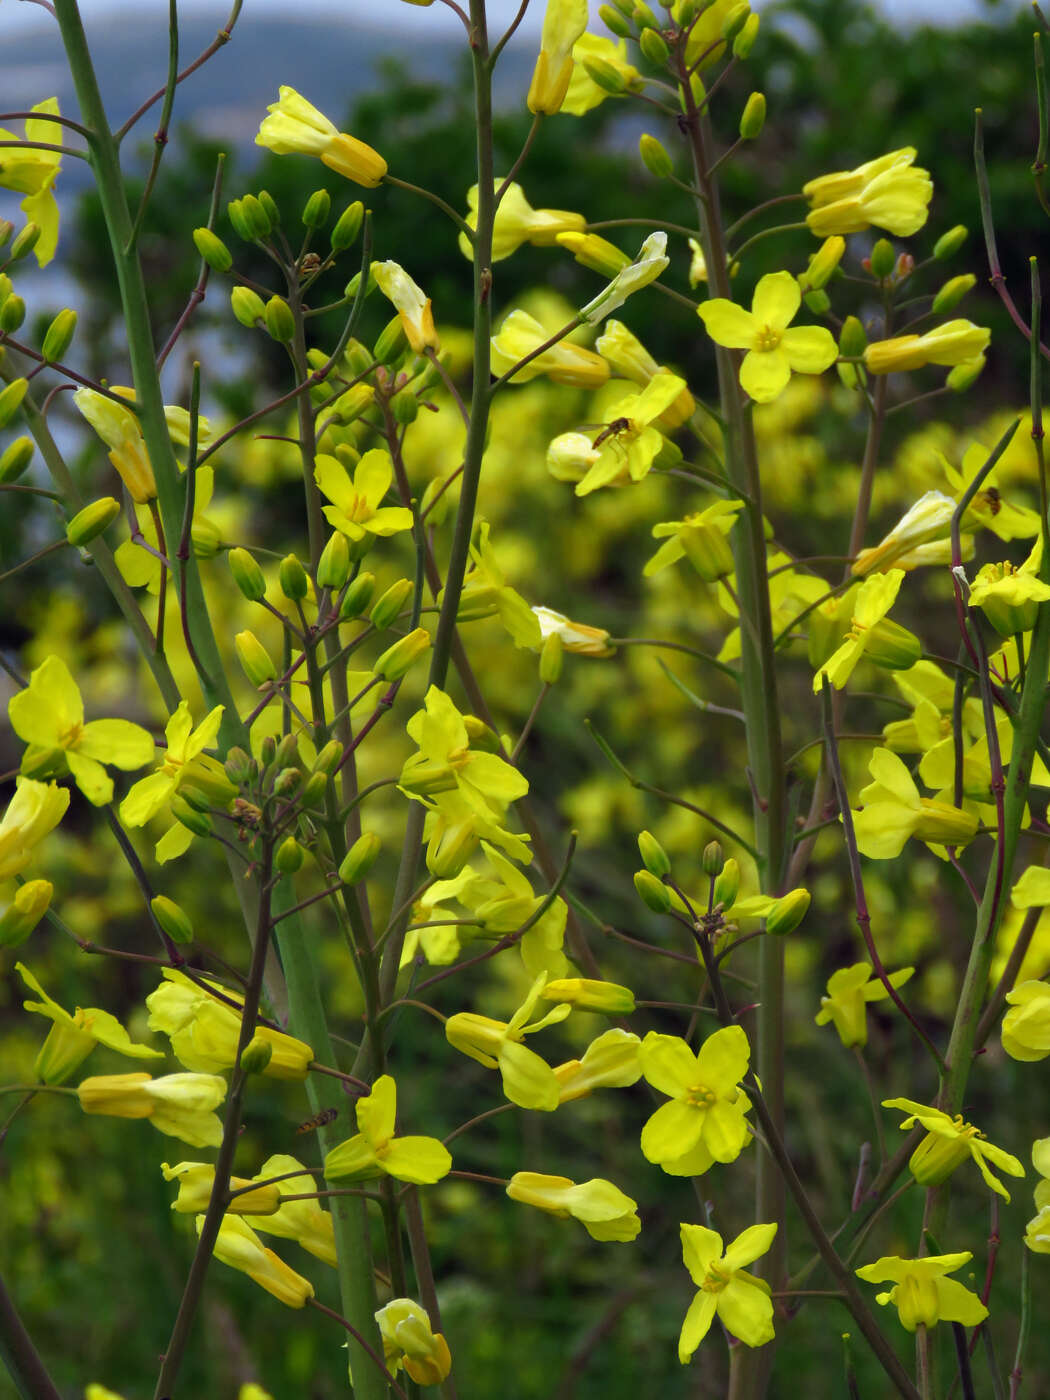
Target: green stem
x=20 y=1356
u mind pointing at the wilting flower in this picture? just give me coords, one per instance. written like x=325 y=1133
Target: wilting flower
x=303 y=1221
x=196 y=1180
x=947 y=1144
x=563 y=23
x=741 y=1301
x=850 y=989
x=296 y=127
x=928 y=519
x=650 y=262
x=575 y=636
x=565 y=362
x=410 y=1342
x=602 y=1208
x=35 y=809
x=72 y=1038
x=32 y=172
x=238 y=1245
x=179 y=1105
x=954 y=343
x=517 y=223
x=413 y=307
x=611 y=1061
x=889 y=192
x=921 y=1294
x=528 y=1080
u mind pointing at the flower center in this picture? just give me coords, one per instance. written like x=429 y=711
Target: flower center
x=716 y=1279
x=69 y=738
x=700 y=1096
x=767 y=338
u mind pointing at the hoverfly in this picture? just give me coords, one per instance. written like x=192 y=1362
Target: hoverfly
x=317 y=1121
x=611 y=430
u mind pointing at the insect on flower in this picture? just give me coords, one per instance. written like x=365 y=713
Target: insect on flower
x=611 y=430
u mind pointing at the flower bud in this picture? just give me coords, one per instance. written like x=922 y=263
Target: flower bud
x=333 y=567
x=614 y=21
x=788 y=912
x=256 y=662
x=287 y=782
x=257 y=215
x=198 y=800
x=11 y=396
x=287 y=751
x=28 y=906
x=883 y=258
x=390 y=604
x=268 y=750
x=358 y=357
x=450 y=848
x=294 y=583
x=279 y=321
x=329 y=758
x=404 y=407
x=892 y=646
x=256 y=1055
x=360 y=858
x=481 y=737
x=595 y=252
x=212 y=249
x=398 y=659
x=59 y=335
x=654 y=46
x=823 y=263
x=586 y=994
x=392 y=342
x=735 y=20
x=605 y=76
x=347 y=226
x=358 y=597
x=239 y=220
x=269 y=204
x=753 y=118
x=247 y=306
x=246 y=574
x=92 y=520
x=727 y=884
x=643 y=16
x=852 y=341
x=15 y=458
x=952 y=293
x=818 y=302
x=315 y=791
x=240 y=766
x=654 y=158
x=654 y=857
x=197 y=822
x=24 y=243
x=949 y=243
x=12 y=313
x=289 y=856
x=172 y=918
x=7 y=228
x=551 y=659
x=712 y=860
x=653 y=893
x=317 y=209
x=963 y=376
x=745 y=40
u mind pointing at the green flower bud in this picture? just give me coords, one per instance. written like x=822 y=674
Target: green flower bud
x=7 y=228
x=398 y=659
x=853 y=340
x=256 y=1055
x=279 y=321
x=199 y=801
x=212 y=249
x=892 y=646
x=333 y=567
x=240 y=766
x=654 y=46
x=392 y=342
x=289 y=856
x=287 y=751
x=817 y=301
x=92 y=520
x=788 y=912
x=654 y=857
x=239 y=220
x=551 y=654
x=883 y=258
x=59 y=335
x=246 y=574
x=727 y=883
x=12 y=313
x=6 y=285
x=12 y=395
x=360 y=858
x=294 y=583
x=653 y=893
x=269 y=205
x=962 y=376
x=388 y=606
x=654 y=156
x=329 y=758
x=952 y=293
x=256 y=662
x=317 y=209
x=197 y=822
x=614 y=21
x=16 y=458
x=315 y=791
x=358 y=357
x=605 y=76
x=754 y=116
x=735 y=20
x=287 y=782
x=358 y=597
x=29 y=904
x=745 y=40
x=248 y=306
x=348 y=226
x=949 y=243
x=259 y=220
x=268 y=750
x=405 y=407
x=643 y=16
x=712 y=860
x=172 y=918
x=25 y=243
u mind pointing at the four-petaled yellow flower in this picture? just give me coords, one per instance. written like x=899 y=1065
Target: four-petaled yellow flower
x=356 y=510
x=850 y=989
x=775 y=350
x=72 y=1038
x=184 y=745
x=238 y=1245
x=873 y=601
x=893 y=811
x=1026 y=1026
x=605 y=1212
x=704 y=1121
x=890 y=192
x=49 y=716
x=409 y=1341
x=921 y=1294
x=627 y=445
x=375 y=1150
x=296 y=127
x=948 y=1143
x=179 y=1105
x=32 y=172
x=702 y=538
x=741 y=1301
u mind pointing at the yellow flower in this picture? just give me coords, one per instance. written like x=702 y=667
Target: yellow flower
x=921 y=1294
x=627 y=446
x=140 y=567
x=238 y=1245
x=575 y=636
x=1008 y=596
x=850 y=989
x=1037 y=1231
x=49 y=716
x=889 y=192
x=296 y=127
x=989 y=508
x=196 y=1180
x=928 y=519
x=528 y=1080
x=410 y=1342
x=602 y=1208
x=184 y=744
x=650 y=262
x=21 y=909
x=951 y=344
x=565 y=363
x=303 y=1221
x=35 y=809
x=873 y=601
x=356 y=510
x=1026 y=1026
x=584 y=93
x=33 y=172
x=774 y=351
x=73 y=1037
x=563 y=23
x=417 y=318
x=517 y=223
x=177 y=1104
x=893 y=811
x=119 y=430
x=487 y=593
x=612 y=1061
x=741 y=1301
x=375 y=1150
x=704 y=1121
x=629 y=358
x=701 y=538
x=947 y=1144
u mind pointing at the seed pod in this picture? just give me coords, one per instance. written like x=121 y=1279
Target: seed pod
x=92 y=520
x=59 y=335
x=212 y=249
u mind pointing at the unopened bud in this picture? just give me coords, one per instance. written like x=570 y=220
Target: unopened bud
x=404 y=407
x=11 y=396
x=333 y=567
x=248 y=306
x=59 y=335
x=590 y=995
x=24 y=243
x=643 y=16
x=92 y=520
x=329 y=758
x=962 y=376
x=387 y=607
x=279 y=321
x=359 y=359
x=735 y=20
x=654 y=157
x=727 y=883
x=294 y=583
x=788 y=912
x=398 y=659
x=212 y=249
x=317 y=209
x=745 y=40
x=823 y=263
x=29 y=904
x=551 y=654
x=246 y=574
x=347 y=226
x=818 y=302
x=392 y=342
x=654 y=46
x=482 y=737
x=949 y=243
x=754 y=116
x=240 y=766
x=269 y=204
x=184 y=814
x=172 y=918
x=358 y=597
x=883 y=258
x=853 y=340
x=654 y=857
x=605 y=75
x=653 y=893
x=449 y=850
x=12 y=313
x=614 y=21
x=952 y=293
x=15 y=459
x=199 y=801
x=287 y=782
x=7 y=228
x=315 y=791
x=289 y=856
x=712 y=860
x=239 y=220
x=258 y=216
x=360 y=858
x=256 y=1055
x=256 y=662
